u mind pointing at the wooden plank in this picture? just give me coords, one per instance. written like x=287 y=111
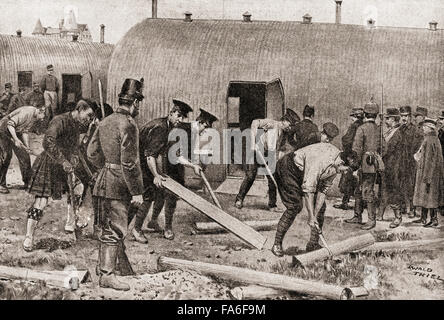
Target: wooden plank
x=258 y=225
x=244 y=232
x=400 y=245
x=348 y=245
x=269 y=280
x=51 y=278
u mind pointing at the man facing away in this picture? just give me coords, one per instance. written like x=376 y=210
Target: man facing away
x=114 y=148
x=49 y=85
x=276 y=129
x=305 y=132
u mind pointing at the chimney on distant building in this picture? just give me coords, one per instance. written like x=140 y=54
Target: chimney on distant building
x=102 y=33
x=247 y=16
x=306 y=19
x=154 y=9
x=371 y=23
x=19 y=33
x=433 y=25
x=75 y=37
x=188 y=16
x=338 y=11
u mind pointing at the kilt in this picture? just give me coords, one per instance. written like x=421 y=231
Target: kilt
x=289 y=179
x=48 y=178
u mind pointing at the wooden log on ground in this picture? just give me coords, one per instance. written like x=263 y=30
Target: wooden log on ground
x=244 y=232
x=269 y=280
x=400 y=245
x=57 y=279
x=260 y=293
x=258 y=225
x=348 y=245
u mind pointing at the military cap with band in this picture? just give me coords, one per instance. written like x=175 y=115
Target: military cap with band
x=132 y=90
x=405 y=111
x=8 y=85
x=357 y=111
x=183 y=108
x=429 y=123
x=291 y=117
x=50 y=67
x=391 y=112
x=442 y=114
x=206 y=117
x=330 y=129
x=420 y=111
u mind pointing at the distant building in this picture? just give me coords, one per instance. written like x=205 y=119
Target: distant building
x=68 y=29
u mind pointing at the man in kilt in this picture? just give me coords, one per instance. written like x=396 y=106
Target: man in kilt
x=303 y=178
x=114 y=148
x=59 y=158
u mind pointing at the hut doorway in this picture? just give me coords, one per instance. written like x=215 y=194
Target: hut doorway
x=71 y=88
x=247 y=101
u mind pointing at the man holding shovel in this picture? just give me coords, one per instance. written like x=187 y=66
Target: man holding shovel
x=303 y=178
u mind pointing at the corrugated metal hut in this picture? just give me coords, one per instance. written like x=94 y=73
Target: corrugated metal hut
x=77 y=65
x=227 y=67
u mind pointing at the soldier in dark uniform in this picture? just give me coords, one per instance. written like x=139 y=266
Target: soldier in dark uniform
x=412 y=138
x=348 y=182
x=154 y=145
x=5 y=99
x=420 y=115
x=114 y=148
x=50 y=168
x=366 y=146
x=35 y=97
x=305 y=132
x=177 y=171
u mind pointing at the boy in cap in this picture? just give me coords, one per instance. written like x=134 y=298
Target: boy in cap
x=429 y=187
x=5 y=99
x=49 y=85
x=272 y=131
x=366 y=146
x=303 y=178
x=154 y=146
x=177 y=172
x=114 y=147
x=348 y=182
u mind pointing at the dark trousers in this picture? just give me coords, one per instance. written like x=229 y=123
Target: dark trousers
x=7 y=146
x=250 y=176
x=114 y=220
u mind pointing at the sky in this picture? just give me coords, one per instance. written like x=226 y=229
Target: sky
x=120 y=15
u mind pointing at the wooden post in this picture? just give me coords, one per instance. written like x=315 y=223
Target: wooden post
x=244 y=232
x=338 y=248
x=269 y=280
x=400 y=245
x=212 y=227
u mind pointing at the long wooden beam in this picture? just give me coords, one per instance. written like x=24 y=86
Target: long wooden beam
x=244 y=232
x=258 y=225
x=269 y=280
x=400 y=245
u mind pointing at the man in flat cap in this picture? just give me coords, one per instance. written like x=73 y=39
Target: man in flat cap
x=49 y=85
x=270 y=135
x=305 y=132
x=5 y=99
x=367 y=147
x=114 y=148
x=390 y=193
x=177 y=170
x=412 y=139
x=429 y=187
x=304 y=177
x=348 y=182
x=154 y=145
x=420 y=115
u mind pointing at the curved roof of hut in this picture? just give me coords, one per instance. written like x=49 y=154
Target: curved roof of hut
x=330 y=66
x=35 y=53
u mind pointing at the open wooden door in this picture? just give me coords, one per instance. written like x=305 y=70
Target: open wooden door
x=274 y=99
x=87 y=85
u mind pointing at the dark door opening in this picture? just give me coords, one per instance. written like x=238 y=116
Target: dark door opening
x=25 y=80
x=71 y=89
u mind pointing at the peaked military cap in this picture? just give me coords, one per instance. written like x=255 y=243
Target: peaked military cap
x=420 y=111
x=357 y=111
x=429 y=123
x=132 y=90
x=206 y=117
x=405 y=111
x=291 y=117
x=8 y=85
x=330 y=129
x=392 y=112
x=50 y=67
x=184 y=108
x=442 y=114
x=371 y=108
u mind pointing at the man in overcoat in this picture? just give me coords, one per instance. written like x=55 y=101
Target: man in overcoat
x=305 y=132
x=114 y=148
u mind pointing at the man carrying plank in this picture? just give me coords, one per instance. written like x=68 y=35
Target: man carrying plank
x=153 y=144
x=303 y=178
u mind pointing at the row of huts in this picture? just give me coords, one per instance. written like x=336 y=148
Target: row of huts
x=244 y=69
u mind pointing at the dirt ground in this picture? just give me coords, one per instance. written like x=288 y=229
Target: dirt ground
x=387 y=275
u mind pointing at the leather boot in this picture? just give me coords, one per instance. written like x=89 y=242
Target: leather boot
x=380 y=214
x=29 y=238
x=277 y=250
x=313 y=243
x=123 y=264
x=398 y=219
x=107 y=263
x=433 y=219
x=359 y=208
x=423 y=218
x=139 y=236
x=371 y=211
